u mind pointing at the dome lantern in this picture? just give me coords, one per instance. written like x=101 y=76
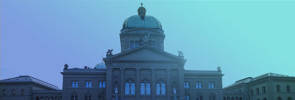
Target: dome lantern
x=141 y=30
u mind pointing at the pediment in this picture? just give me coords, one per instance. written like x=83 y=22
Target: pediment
x=146 y=54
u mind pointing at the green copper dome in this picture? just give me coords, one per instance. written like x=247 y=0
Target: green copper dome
x=142 y=21
x=137 y=22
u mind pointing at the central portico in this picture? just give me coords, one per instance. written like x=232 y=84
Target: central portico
x=143 y=70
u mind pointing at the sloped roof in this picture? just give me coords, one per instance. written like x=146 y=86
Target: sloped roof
x=250 y=79
x=203 y=72
x=30 y=79
x=270 y=75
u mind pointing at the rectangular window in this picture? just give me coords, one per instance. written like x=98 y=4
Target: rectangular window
x=132 y=44
x=163 y=89
x=252 y=92
x=133 y=89
x=142 y=89
x=148 y=89
x=158 y=89
x=288 y=88
x=127 y=91
x=198 y=84
x=263 y=90
x=186 y=85
x=100 y=84
x=187 y=97
x=211 y=85
x=75 y=84
x=103 y=84
x=88 y=84
x=278 y=88
x=257 y=91
x=137 y=44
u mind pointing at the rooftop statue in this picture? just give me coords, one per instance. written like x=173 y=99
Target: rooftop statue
x=66 y=66
x=109 y=52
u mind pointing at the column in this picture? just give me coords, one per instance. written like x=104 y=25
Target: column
x=137 y=84
x=153 y=84
x=122 y=70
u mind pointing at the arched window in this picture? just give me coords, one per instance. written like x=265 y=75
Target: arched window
x=279 y=98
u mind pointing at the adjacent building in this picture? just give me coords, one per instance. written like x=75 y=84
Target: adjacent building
x=268 y=86
x=28 y=88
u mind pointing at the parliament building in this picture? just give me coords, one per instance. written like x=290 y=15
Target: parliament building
x=143 y=70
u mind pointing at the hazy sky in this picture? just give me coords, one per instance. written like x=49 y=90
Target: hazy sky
x=244 y=37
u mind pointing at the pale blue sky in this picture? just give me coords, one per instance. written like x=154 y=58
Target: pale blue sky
x=244 y=37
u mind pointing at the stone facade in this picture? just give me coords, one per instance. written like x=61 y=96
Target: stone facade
x=142 y=70
x=27 y=88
